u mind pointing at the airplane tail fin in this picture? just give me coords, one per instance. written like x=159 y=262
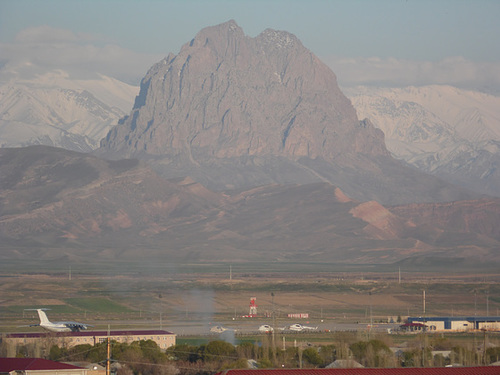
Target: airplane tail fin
x=42 y=316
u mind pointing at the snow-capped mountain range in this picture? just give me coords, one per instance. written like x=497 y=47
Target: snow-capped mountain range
x=443 y=130
x=57 y=111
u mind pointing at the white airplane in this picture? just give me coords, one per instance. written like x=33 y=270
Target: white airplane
x=218 y=329
x=299 y=328
x=266 y=328
x=57 y=326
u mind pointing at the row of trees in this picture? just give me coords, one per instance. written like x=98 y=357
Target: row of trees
x=145 y=357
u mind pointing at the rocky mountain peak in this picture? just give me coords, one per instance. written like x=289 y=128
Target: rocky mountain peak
x=222 y=40
x=233 y=111
x=278 y=39
x=228 y=95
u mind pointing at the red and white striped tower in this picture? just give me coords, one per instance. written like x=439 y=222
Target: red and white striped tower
x=253 y=307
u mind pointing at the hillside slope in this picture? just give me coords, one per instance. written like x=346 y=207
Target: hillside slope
x=65 y=206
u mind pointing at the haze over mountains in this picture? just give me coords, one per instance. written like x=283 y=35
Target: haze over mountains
x=247 y=148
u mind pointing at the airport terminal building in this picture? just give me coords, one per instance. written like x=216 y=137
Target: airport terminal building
x=452 y=324
x=164 y=339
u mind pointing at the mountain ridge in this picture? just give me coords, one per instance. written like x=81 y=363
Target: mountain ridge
x=234 y=112
x=57 y=205
x=239 y=149
x=441 y=130
x=55 y=110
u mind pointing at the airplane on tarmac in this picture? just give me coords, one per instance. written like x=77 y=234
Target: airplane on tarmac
x=218 y=329
x=266 y=328
x=299 y=328
x=221 y=329
x=57 y=326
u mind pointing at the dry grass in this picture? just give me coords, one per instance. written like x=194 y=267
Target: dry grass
x=321 y=296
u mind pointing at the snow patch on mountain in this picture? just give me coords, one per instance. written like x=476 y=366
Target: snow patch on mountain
x=109 y=90
x=444 y=130
x=57 y=111
x=474 y=115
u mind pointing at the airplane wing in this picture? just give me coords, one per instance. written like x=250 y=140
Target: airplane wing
x=310 y=328
x=29 y=325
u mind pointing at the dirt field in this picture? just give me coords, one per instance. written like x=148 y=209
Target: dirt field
x=202 y=300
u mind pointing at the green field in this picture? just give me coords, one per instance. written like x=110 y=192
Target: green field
x=97 y=305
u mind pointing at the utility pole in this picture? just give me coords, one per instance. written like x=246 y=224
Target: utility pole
x=272 y=332
x=371 y=316
x=484 y=346
x=300 y=355
x=108 y=358
x=487 y=304
x=424 y=301
x=475 y=306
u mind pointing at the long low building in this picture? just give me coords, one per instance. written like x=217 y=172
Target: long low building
x=453 y=323
x=164 y=339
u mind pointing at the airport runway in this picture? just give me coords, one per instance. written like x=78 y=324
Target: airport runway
x=250 y=326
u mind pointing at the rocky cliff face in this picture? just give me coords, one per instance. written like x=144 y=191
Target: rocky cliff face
x=227 y=95
x=232 y=111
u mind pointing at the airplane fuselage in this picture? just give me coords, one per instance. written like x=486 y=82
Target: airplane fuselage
x=58 y=326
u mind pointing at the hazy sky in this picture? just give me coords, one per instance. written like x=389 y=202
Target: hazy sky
x=392 y=42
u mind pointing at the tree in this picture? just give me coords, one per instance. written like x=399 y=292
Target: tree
x=240 y=363
x=79 y=352
x=246 y=350
x=151 y=351
x=184 y=352
x=55 y=353
x=264 y=363
x=492 y=355
x=328 y=354
x=312 y=356
x=219 y=350
x=373 y=353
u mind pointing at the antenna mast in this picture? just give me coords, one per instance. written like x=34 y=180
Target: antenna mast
x=424 y=301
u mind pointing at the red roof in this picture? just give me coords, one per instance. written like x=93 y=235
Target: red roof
x=486 y=370
x=22 y=364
